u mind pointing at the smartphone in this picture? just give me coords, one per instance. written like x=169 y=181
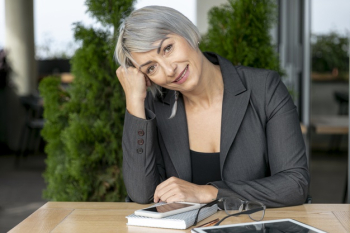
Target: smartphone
x=168 y=209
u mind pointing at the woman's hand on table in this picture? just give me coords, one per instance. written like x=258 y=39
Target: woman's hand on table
x=178 y=190
x=135 y=84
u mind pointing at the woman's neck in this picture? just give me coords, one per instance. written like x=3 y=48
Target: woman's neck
x=209 y=90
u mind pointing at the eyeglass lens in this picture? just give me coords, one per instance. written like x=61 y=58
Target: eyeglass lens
x=234 y=205
x=257 y=216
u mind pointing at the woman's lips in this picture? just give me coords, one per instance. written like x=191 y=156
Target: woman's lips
x=183 y=77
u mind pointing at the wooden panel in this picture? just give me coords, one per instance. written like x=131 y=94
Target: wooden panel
x=331 y=130
x=42 y=220
x=315 y=207
x=303 y=128
x=95 y=205
x=330 y=124
x=344 y=218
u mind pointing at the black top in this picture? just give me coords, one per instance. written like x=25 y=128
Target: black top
x=205 y=167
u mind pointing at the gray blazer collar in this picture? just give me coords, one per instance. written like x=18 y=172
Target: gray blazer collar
x=235 y=102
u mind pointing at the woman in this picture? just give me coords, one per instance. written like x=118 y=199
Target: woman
x=209 y=129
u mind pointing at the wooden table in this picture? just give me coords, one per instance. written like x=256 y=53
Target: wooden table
x=95 y=217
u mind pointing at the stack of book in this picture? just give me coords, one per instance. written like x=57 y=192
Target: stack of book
x=177 y=221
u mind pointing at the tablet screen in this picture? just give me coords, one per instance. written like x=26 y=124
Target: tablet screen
x=270 y=227
x=167 y=207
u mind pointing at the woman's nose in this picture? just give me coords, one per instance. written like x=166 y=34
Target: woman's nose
x=170 y=69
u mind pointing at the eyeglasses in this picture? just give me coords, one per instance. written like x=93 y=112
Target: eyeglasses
x=234 y=206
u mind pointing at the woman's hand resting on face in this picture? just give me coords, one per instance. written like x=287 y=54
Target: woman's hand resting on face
x=135 y=84
x=177 y=190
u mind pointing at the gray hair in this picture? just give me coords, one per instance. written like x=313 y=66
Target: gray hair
x=143 y=27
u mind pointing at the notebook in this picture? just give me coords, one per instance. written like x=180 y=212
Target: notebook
x=177 y=221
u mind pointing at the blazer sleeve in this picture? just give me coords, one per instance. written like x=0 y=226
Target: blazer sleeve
x=143 y=166
x=288 y=183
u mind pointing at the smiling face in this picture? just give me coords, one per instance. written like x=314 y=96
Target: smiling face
x=175 y=65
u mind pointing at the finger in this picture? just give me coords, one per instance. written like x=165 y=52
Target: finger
x=168 y=181
x=163 y=187
x=166 y=196
x=161 y=191
x=167 y=191
x=172 y=194
x=133 y=70
x=179 y=197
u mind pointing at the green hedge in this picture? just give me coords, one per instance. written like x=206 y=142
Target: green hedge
x=330 y=51
x=239 y=31
x=84 y=124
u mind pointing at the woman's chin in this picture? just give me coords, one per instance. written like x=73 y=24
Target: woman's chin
x=187 y=87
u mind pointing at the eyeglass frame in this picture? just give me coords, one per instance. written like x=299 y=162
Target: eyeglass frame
x=262 y=208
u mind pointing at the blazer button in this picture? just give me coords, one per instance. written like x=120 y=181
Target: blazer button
x=139 y=151
x=140 y=141
x=141 y=133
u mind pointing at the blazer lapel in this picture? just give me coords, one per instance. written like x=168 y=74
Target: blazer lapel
x=235 y=102
x=176 y=137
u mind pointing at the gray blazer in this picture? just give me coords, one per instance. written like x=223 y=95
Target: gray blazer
x=262 y=152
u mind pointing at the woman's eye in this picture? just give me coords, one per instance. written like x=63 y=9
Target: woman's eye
x=168 y=48
x=151 y=69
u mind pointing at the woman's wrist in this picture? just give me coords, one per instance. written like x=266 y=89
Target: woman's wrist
x=136 y=107
x=208 y=193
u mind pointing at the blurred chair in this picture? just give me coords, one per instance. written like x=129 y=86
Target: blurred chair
x=308 y=199
x=30 y=136
x=128 y=199
x=342 y=99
